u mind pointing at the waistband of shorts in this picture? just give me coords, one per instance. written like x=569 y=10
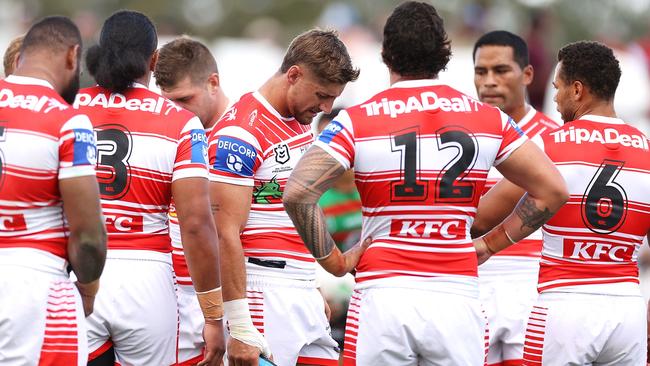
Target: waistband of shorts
x=32 y=258
x=261 y=281
x=558 y=295
x=139 y=255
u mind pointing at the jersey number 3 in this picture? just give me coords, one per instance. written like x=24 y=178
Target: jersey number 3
x=450 y=185
x=114 y=143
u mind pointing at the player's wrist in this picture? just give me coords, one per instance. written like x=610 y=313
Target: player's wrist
x=211 y=303
x=334 y=262
x=238 y=313
x=497 y=239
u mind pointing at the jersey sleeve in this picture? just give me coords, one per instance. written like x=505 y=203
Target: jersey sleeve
x=77 y=148
x=512 y=138
x=191 y=152
x=337 y=139
x=235 y=155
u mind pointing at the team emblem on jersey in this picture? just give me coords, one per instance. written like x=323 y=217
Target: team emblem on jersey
x=231 y=114
x=234 y=163
x=282 y=153
x=91 y=155
x=252 y=117
x=267 y=192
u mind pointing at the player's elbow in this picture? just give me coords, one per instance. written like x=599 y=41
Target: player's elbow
x=558 y=193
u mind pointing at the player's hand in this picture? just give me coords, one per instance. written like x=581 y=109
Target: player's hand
x=214 y=343
x=353 y=255
x=482 y=251
x=328 y=311
x=88 y=292
x=242 y=354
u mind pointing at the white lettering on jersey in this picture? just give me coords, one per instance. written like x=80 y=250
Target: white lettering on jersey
x=596 y=251
x=31 y=102
x=117 y=100
x=425 y=228
x=426 y=102
x=607 y=136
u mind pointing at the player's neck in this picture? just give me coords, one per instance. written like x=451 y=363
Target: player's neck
x=222 y=104
x=517 y=114
x=395 y=78
x=37 y=71
x=597 y=108
x=275 y=92
x=144 y=80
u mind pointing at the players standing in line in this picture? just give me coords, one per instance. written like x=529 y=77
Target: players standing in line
x=149 y=150
x=252 y=152
x=10 y=58
x=49 y=204
x=187 y=74
x=421 y=152
x=508 y=280
x=590 y=309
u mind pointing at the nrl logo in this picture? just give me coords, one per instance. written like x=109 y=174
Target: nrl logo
x=282 y=153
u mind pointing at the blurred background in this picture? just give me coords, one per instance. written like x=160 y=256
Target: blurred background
x=248 y=38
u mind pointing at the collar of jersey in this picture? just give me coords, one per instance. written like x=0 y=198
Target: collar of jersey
x=416 y=83
x=529 y=115
x=269 y=107
x=602 y=119
x=27 y=80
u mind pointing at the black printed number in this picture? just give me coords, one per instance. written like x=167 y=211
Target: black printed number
x=409 y=187
x=604 y=204
x=114 y=144
x=450 y=186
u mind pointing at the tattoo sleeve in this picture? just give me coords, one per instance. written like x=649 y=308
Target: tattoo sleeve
x=531 y=216
x=315 y=173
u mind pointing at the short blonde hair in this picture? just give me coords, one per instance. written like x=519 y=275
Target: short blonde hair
x=11 y=55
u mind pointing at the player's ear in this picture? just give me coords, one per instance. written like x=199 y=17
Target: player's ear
x=577 y=90
x=71 y=57
x=529 y=73
x=153 y=61
x=213 y=82
x=294 y=74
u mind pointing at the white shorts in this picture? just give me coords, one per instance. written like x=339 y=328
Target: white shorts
x=507 y=299
x=582 y=329
x=136 y=309
x=409 y=327
x=190 y=327
x=291 y=315
x=41 y=314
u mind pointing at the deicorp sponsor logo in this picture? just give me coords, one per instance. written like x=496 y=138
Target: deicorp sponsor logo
x=439 y=229
x=606 y=136
x=426 y=101
x=158 y=105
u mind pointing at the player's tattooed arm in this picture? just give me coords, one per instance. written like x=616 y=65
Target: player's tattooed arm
x=531 y=216
x=315 y=173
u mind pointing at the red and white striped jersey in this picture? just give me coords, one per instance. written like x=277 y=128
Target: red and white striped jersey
x=144 y=143
x=533 y=124
x=421 y=152
x=592 y=242
x=253 y=145
x=42 y=140
x=179 y=263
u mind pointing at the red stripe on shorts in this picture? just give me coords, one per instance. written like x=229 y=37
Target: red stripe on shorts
x=535 y=331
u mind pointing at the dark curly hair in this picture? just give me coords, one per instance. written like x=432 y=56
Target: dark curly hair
x=415 y=42
x=593 y=64
x=126 y=43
